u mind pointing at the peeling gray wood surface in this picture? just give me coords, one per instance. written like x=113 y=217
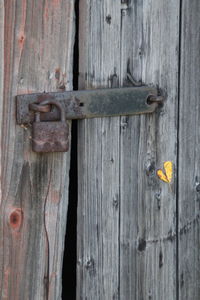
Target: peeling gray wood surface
x=189 y=154
x=33 y=205
x=126 y=215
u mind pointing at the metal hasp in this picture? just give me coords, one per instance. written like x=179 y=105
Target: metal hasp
x=91 y=103
x=52 y=107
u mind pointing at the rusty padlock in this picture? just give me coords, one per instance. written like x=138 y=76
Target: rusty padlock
x=51 y=136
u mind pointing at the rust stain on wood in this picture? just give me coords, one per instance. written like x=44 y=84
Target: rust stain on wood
x=56 y=2
x=21 y=41
x=22 y=27
x=46 y=11
x=55 y=196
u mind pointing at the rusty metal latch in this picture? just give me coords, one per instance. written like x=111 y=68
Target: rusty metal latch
x=42 y=108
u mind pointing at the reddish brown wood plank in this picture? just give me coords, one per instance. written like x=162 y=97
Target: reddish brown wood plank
x=1 y=71
x=38 y=46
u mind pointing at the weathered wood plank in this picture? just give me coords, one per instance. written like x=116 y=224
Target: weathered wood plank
x=189 y=154
x=150 y=38
x=121 y=201
x=98 y=156
x=38 y=48
x=1 y=74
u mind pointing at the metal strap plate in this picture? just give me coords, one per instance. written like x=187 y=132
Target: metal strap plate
x=89 y=103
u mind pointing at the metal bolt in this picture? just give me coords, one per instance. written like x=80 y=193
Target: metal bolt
x=157 y=99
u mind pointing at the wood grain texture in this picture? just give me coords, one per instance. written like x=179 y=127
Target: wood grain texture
x=189 y=154
x=126 y=215
x=98 y=156
x=1 y=75
x=148 y=205
x=38 y=46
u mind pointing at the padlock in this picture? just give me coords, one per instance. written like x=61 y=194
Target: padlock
x=51 y=136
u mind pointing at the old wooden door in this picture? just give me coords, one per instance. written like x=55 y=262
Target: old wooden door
x=36 y=54
x=138 y=237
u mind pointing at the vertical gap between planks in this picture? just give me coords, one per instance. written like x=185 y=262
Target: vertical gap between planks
x=76 y=47
x=119 y=224
x=69 y=261
x=177 y=159
x=70 y=252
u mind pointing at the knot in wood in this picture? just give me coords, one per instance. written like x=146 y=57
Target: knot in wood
x=16 y=219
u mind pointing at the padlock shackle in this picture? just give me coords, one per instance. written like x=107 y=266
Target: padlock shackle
x=58 y=105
